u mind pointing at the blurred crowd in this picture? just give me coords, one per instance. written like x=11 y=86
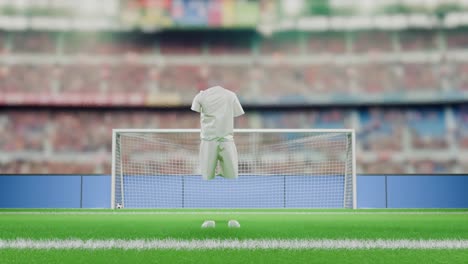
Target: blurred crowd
x=281 y=80
x=228 y=43
x=382 y=132
x=390 y=140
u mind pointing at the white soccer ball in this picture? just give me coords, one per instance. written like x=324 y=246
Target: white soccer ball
x=119 y=206
x=208 y=224
x=233 y=224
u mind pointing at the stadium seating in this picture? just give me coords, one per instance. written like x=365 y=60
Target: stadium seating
x=119 y=64
x=324 y=79
x=86 y=134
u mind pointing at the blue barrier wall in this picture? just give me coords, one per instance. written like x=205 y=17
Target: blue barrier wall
x=192 y=191
x=34 y=191
x=371 y=191
x=93 y=191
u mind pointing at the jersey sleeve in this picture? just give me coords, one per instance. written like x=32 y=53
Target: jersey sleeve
x=196 y=106
x=238 y=111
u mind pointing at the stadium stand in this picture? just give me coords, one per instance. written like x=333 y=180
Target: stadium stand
x=86 y=134
x=85 y=64
x=456 y=39
x=372 y=42
x=418 y=40
x=330 y=43
x=462 y=128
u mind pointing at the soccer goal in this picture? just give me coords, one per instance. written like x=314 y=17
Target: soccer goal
x=278 y=168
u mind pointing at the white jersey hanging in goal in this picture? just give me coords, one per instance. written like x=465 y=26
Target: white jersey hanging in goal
x=217 y=107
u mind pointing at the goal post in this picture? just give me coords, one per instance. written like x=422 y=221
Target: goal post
x=278 y=168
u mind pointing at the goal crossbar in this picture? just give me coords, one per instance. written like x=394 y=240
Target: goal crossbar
x=249 y=130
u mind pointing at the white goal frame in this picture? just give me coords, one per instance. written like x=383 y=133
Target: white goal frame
x=350 y=131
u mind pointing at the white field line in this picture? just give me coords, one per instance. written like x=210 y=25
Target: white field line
x=250 y=244
x=121 y=212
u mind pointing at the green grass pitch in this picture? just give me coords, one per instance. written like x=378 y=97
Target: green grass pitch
x=255 y=224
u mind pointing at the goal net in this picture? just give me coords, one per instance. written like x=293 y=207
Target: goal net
x=278 y=168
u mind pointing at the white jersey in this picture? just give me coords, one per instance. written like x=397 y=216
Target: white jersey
x=218 y=107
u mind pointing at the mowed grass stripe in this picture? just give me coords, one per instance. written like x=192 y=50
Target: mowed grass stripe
x=118 y=212
x=234 y=256
x=235 y=209
x=188 y=227
x=251 y=244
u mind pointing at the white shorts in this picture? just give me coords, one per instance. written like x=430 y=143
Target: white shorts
x=223 y=151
